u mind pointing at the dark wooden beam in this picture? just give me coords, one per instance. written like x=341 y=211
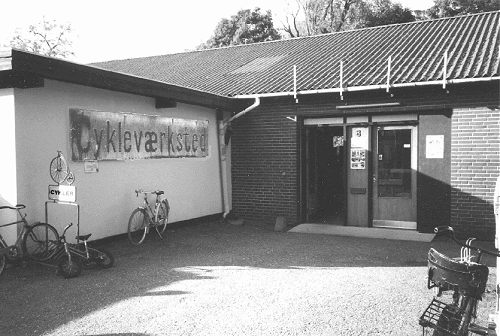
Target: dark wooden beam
x=61 y=70
x=19 y=80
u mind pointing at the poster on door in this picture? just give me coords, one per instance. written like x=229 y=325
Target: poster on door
x=358 y=158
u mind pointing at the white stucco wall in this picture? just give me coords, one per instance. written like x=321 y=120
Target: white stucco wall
x=8 y=187
x=107 y=198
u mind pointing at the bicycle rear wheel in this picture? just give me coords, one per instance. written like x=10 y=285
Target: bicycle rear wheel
x=40 y=241
x=3 y=261
x=137 y=226
x=161 y=219
x=3 y=257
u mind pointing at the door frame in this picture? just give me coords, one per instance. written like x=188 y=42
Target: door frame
x=412 y=225
x=303 y=178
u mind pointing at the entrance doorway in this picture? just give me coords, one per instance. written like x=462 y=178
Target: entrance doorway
x=325 y=174
x=394 y=177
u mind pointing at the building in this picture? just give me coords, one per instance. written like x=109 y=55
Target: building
x=118 y=132
x=395 y=126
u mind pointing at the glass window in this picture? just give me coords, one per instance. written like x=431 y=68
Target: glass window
x=394 y=163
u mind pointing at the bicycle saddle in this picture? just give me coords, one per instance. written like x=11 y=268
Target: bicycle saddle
x=84 y=237
x=158 y=192
x=448 y=273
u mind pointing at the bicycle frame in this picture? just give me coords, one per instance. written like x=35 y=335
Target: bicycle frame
x=147 y=206
x=147 y=216
x=5 y=248
x=65 y=248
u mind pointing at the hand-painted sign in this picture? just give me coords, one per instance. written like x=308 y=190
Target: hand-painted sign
x=119 y=136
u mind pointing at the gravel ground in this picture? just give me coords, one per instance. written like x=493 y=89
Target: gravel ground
x=217 y=279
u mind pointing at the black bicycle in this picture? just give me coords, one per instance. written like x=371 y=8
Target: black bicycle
x=34 y=242
x=466 y=277
x=71 y=258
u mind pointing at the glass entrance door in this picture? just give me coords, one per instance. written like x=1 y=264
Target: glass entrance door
x=394 y=179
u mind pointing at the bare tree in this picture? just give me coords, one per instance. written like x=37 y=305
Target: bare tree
x=46 y=38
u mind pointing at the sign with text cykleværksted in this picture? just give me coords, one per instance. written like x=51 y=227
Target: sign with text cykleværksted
x=98 y=135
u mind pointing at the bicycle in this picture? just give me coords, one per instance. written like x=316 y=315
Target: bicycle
x=91 y=256
x=34 y=242
x=59 y=170
x=71 y=258
x=143 y=218
x=466 y=277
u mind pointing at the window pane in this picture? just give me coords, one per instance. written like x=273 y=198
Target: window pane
x=394 y=163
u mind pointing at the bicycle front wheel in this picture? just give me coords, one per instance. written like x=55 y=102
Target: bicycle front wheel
x=69 y=267
x=59 y=169
x=162 y=216
x=137 y=226
x=102 y=257
x=40 y=241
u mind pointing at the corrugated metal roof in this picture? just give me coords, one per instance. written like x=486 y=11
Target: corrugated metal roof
x=416 y=49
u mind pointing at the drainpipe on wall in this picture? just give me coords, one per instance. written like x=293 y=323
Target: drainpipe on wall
x=248 y=109
x=496 y=209
x=223 y=167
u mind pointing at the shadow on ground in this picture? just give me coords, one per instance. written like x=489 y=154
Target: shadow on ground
x=34 y=301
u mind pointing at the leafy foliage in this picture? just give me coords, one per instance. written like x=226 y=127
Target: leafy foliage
x=46 y=38
x=447 y=8
x=384 y=12
x=247 y=26
x=326 y=16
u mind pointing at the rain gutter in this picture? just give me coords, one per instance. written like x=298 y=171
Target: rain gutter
x=362 y=88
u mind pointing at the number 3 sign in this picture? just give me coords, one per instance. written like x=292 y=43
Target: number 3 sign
x=359 y=138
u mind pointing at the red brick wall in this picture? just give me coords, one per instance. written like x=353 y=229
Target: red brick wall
x=266 y=150
x=475 y=165
x=265 y=164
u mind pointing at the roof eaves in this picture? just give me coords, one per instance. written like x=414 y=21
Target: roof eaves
x=66 y=71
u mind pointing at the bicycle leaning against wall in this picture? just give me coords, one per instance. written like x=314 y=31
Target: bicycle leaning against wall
x=143 y=218
x=34 y=242
x=466 y=277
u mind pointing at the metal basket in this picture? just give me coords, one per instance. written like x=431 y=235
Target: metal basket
x=442 y=317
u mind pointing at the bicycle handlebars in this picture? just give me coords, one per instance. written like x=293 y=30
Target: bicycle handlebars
x=66 y=229
x=140 y=191
x=448 y=230
x=16 y=207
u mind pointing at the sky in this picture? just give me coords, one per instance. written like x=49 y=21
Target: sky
x=110 y=29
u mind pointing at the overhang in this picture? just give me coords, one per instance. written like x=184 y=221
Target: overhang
x=20 y=69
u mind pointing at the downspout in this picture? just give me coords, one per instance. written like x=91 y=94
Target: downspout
x=221 y=173
x=248 y=109
x=224 y=184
